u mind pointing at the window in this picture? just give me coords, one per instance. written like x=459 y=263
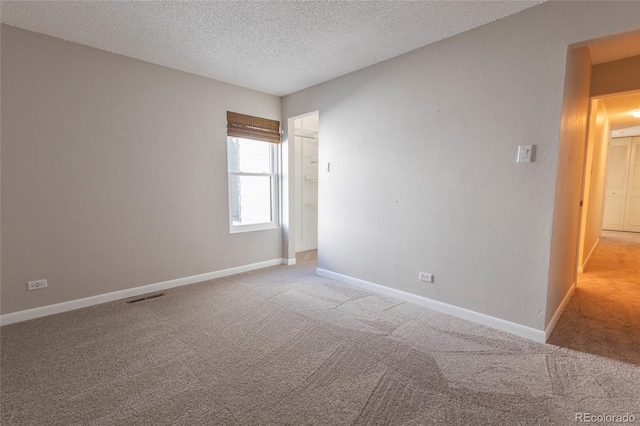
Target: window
x=252 y=162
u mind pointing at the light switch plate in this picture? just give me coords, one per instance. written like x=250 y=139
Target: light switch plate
x=525 y=153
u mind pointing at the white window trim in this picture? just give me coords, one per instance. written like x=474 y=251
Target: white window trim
x=274 y=153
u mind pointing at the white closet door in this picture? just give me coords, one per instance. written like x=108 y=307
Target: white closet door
x=616 y=188
x=632 y=202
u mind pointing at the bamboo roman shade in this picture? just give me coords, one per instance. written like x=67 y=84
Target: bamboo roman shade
x=249 y=127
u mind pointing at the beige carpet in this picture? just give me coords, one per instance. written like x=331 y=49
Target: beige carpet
x=603 y=315
x=282 y=346
x=309 y=257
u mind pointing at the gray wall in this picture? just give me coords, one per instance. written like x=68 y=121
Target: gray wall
x=114 y=172
x=565 y=235
x=423 y=174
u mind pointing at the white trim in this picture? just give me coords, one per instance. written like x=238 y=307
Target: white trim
x=500 y=324
x=584 y=265
x=558 y=313
x=289 y=262
x=274 y=154
x=71 y=305
x=235 y=229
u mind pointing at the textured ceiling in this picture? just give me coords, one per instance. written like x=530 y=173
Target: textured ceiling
x=275 y=47
x=619 y=109
x=615 y=49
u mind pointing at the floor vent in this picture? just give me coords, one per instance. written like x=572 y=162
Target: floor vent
x=144 y=297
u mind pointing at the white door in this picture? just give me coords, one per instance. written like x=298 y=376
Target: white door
x=632 y=202
x=616 y=188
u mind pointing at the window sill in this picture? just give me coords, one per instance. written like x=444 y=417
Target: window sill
x=235 y=229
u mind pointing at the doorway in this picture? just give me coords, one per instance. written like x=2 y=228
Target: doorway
x=611 y=184
x=306 y=138
x=595 y=76
x=602 y=316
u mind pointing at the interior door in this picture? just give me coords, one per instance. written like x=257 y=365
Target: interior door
x=616 y=187
x=632 y=203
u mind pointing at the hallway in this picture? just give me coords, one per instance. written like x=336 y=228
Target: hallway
x=603 y=315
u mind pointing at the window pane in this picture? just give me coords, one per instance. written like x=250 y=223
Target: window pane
x=249 y=156
x=251 y=199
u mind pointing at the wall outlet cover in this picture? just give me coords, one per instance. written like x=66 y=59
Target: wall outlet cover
x=36 y=285
x=423 y=276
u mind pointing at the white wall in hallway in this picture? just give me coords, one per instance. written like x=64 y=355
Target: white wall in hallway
x=596 y=169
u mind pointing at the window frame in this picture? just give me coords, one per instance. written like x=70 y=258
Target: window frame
x=274 y=154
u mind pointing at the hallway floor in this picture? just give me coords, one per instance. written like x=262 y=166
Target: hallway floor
x=603 y=315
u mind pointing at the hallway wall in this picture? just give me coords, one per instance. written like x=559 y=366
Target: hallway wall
x=568 y=189
x=595 y=180
x=616 y=77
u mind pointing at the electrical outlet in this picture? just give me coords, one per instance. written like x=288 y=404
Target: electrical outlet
x=36 y=285
x=423 y=276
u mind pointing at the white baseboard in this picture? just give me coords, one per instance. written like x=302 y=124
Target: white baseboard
x=71 y=305
x=558 y=313
x=583 y=267
x=289 y=262
x=500 y=324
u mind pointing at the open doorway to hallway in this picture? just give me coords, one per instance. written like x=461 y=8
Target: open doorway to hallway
x=611 y=183
x=306 y=138
x=602 y=315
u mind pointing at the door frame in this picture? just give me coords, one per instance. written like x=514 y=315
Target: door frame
x=289 y=226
